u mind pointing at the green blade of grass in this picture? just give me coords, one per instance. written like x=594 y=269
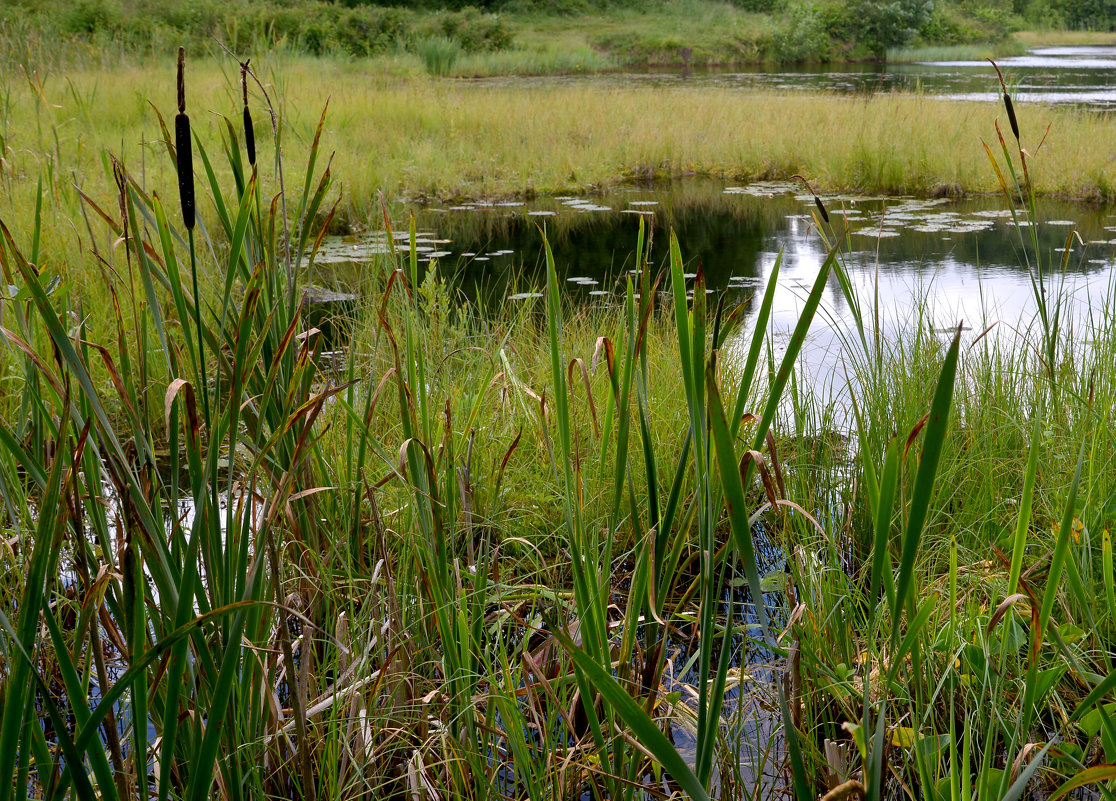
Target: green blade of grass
x=1023 y=521
x=641 y=724
x=933 y=441
x=735 y=501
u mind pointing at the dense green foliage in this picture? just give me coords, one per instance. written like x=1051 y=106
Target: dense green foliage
x=309 y=26
x=617 y=32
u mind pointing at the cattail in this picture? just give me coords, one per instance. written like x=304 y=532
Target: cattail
x=1011 y=115
x=821 y=208
x=1007 y=101
x=817 y=200
x=249 y=131
x=182 y=144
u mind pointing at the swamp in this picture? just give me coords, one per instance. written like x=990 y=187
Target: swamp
x=578 y=400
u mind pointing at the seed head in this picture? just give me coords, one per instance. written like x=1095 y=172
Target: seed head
x=1007 y=101
x=249 y=130
x=184 y=150
x=821 y=208
x=1011 y=116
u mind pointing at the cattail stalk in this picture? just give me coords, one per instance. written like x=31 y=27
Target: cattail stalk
x=184 y=156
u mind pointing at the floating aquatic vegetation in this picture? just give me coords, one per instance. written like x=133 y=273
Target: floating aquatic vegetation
x=762 y=189
x=880 y=233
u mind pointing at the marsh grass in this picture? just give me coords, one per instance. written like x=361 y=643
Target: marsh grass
x=438 y=54
x=448 y=140
x=964 y=52
x=456 y=561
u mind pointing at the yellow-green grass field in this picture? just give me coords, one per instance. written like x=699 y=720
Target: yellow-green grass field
x=423 y=137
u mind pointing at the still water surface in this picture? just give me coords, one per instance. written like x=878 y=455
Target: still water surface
x=1084 y=76
x=935 y=263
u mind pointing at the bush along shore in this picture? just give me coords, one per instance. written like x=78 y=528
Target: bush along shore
x=522 y=36
x=543 y=552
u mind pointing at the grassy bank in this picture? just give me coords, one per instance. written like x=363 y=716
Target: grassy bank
x=420 y=137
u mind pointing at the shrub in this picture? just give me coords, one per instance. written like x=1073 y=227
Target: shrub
x=90 y=16
x=803 y=36
x=881 y=25
x=474 y=31
x=364 y=32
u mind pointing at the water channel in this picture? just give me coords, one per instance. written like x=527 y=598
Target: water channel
x=1078 y=75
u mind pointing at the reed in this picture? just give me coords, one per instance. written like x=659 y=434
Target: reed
x=438 y=54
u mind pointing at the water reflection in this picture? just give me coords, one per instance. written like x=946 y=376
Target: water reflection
x=956 y=260
x=1074 y=75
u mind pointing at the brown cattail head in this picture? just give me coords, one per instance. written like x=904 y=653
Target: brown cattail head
x=817 y=200
x=184 y=150
x=1011 y=115
x=1007 y=101
x=249 y=131
x=249 y=137
x=821 y=208
x=120 y=177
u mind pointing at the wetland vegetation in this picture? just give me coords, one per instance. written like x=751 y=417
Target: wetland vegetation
x=538 y=548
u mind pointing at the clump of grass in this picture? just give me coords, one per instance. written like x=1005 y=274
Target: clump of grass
x=960 y=52
x=438 y=54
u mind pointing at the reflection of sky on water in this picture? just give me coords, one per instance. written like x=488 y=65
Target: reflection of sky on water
x=956 y=260
x=947 y=290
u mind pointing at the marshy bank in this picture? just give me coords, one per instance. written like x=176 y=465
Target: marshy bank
x=452 y=140
x=507 y=554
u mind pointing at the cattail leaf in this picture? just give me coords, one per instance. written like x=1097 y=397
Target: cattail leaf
x=1023 y=521
x=759 y=333
x=933 y=442
x=642 y=726
x=794 y=347
x=735 y=500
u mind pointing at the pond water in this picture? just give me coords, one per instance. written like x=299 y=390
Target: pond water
x=951 y=261
x=1078 y=75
